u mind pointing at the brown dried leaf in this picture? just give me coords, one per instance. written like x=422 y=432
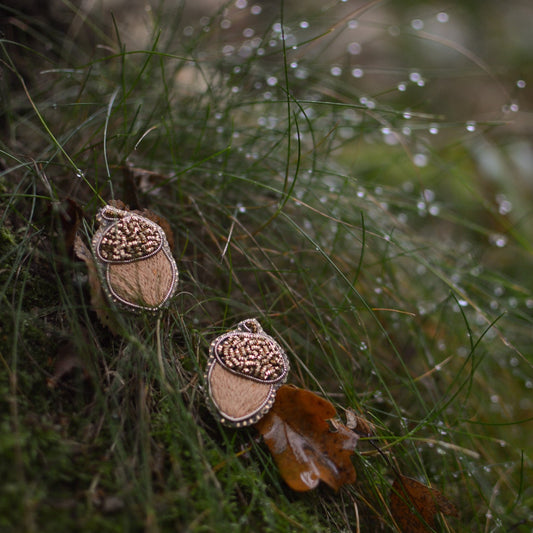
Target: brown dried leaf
x=414 y=505
x=98 y=300
x=70 y=215
x=305 y=447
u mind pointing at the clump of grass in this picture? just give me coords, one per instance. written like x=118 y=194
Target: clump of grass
x=319 y=201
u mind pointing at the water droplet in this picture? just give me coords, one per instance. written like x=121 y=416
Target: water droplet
x=370 y=104
x=433 y=129
x=415 y=76
x=417 y=24
x=304 y=24
x=402 y=87
x=354 y=48
x=363 y=346
x=394 y=31
x=188 y=31
x=228 y=50
x=256 y=9
x=443 y=17
x=434 y=210
x=357 y=72
x=420 y=160
x=499 y=240
x=514 y=108
x=407 y=115
x=248 y=33
x=241 y=4
x=301 y=73
x=80 y=174
x=225 y=24
x=336 y=71
x=471 y=126
x=495 y=398
x=520 y=84
x=272 y=81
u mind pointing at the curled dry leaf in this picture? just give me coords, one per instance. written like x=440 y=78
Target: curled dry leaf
x=414 y=505
x=70 y=216
x=305 y=447
x=98 y=301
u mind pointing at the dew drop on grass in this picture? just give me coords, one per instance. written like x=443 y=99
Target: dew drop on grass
x=241 y=4
x=420 y=160
x=415 y=77
x=354 y=48
x=357 y=72
x=417 y=24
x=367 y=102
x=272 y=81
x=402 y=87
x=80 y=174
x=442 y=17
x=471 y=126
x=248 y=33
x=256 y=9
x=407 y=115
x=188 y=31
x=433 y=129
x=394 y=31
x=304 y=24
x=294 y=64
x=521 y=84
x=336 y=71
x=498 y=240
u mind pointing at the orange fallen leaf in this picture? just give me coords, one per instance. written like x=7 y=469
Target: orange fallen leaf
x=414 y=505
x=305 y=447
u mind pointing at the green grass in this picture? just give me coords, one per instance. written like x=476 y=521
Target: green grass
x=385 y=280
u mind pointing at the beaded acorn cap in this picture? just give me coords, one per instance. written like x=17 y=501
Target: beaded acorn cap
x=136 y=265
x=245 y=369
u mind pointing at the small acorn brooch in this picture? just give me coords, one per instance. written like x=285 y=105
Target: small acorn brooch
x=245 y=369
x=134 y=259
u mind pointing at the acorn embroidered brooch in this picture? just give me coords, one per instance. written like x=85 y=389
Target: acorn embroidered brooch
x=246 y=367
x=136 y=265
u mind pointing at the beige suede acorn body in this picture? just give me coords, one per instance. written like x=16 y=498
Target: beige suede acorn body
x=245 y=369
x=136 y=265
